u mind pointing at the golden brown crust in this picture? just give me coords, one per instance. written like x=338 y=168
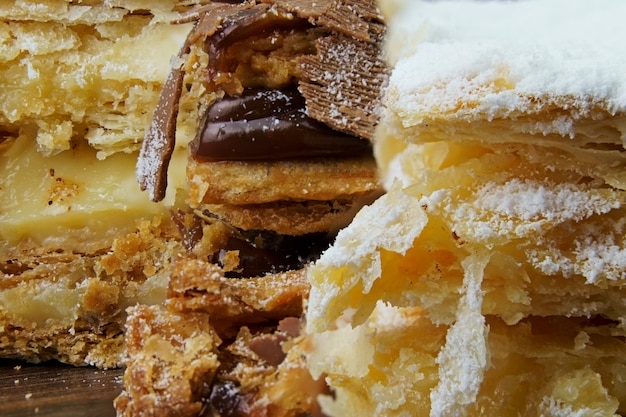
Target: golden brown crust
x=219 y=345
x=198 y=286
x=289 y=218
x=350 y=17
x=232 y=182
x=57 y=304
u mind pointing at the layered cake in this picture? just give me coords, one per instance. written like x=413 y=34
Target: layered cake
x=489 y=280
x=78 y=242
x=282 y=159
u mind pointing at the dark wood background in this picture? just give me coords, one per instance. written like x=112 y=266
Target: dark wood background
x=54 y=389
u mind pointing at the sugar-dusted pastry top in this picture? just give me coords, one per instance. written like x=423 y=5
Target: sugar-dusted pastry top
x=466 y=61
x=489 y=279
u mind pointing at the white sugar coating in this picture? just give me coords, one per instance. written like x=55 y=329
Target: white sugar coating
x=527 y=200
x=464 y=357
x=521 y=209
x=497 y=55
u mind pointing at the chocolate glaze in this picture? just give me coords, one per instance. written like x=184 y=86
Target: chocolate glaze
x=258 y=22
x=270 y=125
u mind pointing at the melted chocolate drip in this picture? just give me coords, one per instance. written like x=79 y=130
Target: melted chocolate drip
x=270 y=125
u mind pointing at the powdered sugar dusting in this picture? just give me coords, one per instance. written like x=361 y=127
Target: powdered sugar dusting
x=149 y=161
x=529 y=200
x=597 y=252
x=498 y=58
x=523 y=208
x=464 y=357
x=384 y=224
x=391 y=223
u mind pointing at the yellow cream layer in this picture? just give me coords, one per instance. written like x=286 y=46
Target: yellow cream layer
x=72 y=199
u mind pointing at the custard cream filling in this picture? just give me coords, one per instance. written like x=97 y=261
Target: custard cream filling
x=72 y=198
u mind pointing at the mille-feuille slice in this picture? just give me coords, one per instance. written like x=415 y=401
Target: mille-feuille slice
x=231 y=323
x=489 y=280
x=78 y=242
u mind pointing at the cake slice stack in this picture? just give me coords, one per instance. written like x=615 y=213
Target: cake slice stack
x=489 y=280
x=78 y=242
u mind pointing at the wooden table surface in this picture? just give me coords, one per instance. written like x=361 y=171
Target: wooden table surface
x=53 y=389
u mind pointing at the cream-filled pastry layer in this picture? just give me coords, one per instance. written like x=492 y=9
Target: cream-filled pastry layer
x=79 y=242
x=85 y=76
x=78 y=245
x=490 y=278
x=72 y=199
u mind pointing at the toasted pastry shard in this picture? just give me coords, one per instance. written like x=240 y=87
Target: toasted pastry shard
x=159 y=380
x=231 y=303
x=152 y=172
x=219 y=345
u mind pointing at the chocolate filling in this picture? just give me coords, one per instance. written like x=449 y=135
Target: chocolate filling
x=270 y=125
x=264 y=124
x=263 y=252
x=246 y=123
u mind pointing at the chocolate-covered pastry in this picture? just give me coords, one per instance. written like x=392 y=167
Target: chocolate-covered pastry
x=281 y=160
x=283 y=144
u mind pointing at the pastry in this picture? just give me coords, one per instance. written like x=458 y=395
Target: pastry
x=222 y=346
x=489 y=280
x=288 y=103
x=78 y=242
x=283 y=143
